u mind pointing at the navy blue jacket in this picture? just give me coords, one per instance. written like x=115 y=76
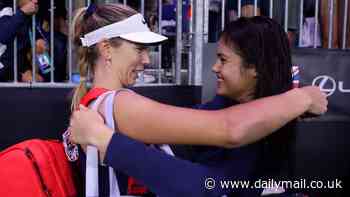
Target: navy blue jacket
x=12 y=26
x=169 y=176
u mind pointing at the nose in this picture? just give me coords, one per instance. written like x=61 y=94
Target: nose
x=35 y=1
x=216 y=67
x=145 y=58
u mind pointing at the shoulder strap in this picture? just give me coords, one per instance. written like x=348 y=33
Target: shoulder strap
x=92 y=95
x=109 y=110
x=92 y=160
x=92 y=152
x=133 y=185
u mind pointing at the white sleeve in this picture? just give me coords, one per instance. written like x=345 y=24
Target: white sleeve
x=7 y=11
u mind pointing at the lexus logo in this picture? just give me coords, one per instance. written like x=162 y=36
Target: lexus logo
x=326 y=83
x=329 y=85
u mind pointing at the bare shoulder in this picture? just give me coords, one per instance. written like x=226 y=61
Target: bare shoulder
x=131 y=99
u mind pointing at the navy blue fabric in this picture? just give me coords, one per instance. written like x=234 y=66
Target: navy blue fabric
x=11 y=26
x=103 y=178
x=170 y=176
x=169 y=13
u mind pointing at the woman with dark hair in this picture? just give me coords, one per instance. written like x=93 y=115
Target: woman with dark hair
x=253 y=61
x=263 y=48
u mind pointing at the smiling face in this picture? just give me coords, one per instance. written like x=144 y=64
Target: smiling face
x=127 y=60
x=233 y=80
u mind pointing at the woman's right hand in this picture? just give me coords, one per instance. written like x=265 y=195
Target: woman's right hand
x=318 y=100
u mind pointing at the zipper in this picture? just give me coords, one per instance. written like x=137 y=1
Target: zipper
x=44 y=187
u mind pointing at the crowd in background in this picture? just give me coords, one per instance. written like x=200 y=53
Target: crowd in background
x=19 y=25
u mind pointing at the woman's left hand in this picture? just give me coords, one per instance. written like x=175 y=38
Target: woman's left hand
x=86 y=126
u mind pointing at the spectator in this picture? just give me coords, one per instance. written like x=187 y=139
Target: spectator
x=247 y=9
x=263 y=8
x=214 y=20
x=16 y=24
x=60 y=37
x=293 y=17
x=153 y=23
x=169 y=30
x=309 y=38
x=231 y=14
x=337 y=27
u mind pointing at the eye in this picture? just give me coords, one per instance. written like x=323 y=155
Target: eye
x=222 y=60
x=140 y=48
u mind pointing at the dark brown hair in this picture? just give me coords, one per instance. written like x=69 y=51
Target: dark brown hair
x=263 y=44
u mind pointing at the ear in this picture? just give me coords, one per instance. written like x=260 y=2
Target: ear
x=104 y=48
x=252 y=72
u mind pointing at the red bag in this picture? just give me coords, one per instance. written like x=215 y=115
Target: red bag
x=36 y=168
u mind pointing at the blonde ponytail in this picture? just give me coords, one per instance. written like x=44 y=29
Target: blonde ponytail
x=77 y=33
x=81 y=89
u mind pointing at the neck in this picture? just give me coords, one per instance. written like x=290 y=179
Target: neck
x=244 y=98
x=104 y=79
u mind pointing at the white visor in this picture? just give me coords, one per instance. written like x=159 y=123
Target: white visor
x=134 y=29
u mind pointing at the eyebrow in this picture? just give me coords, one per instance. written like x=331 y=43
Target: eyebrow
x=219 y=54
x=138 y=45
x=141 y=47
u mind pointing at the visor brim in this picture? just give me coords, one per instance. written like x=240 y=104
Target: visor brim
x=144 y=37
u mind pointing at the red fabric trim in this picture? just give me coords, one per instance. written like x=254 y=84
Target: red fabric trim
x=92 y=95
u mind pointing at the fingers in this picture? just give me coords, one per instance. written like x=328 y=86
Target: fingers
x=325 y=109
x=82 y=108
x=70 y=136
x=319 y=100
x=72 y=126
x=324 y=103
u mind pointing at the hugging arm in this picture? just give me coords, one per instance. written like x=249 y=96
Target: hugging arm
x=151 y=122
x=166 y=175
